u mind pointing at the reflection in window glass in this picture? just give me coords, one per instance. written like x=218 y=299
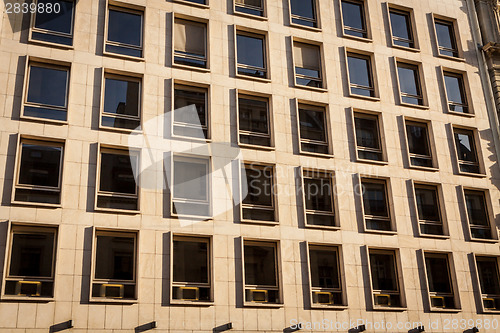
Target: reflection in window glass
x=418 y=144
x=261 y=272
x=190 y=43
x=429 y=216
x=375 y=205
x=251 y=55
x=190 y=113
x=455 y=91
x=409 y=84
x=259 y=202
x=353 y=17
x=318 y=198
x=479 y=220
x=252 y=7
x=313 y=133
x=402 y=34
x=384 y=279
x=446 y=38
x=466 y=151
x=367 y=137
x=124 y=32
x=489 y=281
x=254 y=126
x=307 y=58
x=54 y=27
x=439 y=279
x=121 y=102
x=360 y=75
x=304 y=12
x=325 y=277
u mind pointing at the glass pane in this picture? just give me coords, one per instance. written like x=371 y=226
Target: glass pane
x=183 y=98
x=352 y=15
x=121 y=97
x=47 y=86
x=115 y=258
x=259 y=182
x=454 y=88
x=318 y=194
x=488 y=275
x=401 y=28
x=303 y=8
x=374 y=199
x=250 y=51
x=466 y=149
x=476 y=208
x=32 y=254
x=367 y=132
x=125 y=27
x=359 y=71
x=438 y=274
x=324 y=269
x=117 y=174
x=59 y=22
x=312 y=125
x=191 y=180
x=445 y=35
x=408 y=80
x=190 y=261
x=260 y=265
x=40 y=165
x=383 y=270
x=427 y=204
x=201 y=2
x=253 y=115
x=417 y=139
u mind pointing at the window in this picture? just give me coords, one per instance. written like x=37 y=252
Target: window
x=47 y=89
x=39 y=172
x=430 y=219
x=117 y=188
x=125 y=31
x=261 y=281
x=199 y=2
x=190 y=43
x=191 y=267
x=455 y=92
x=55 y=26
x=122 y=102
x=115 y=266
x=354 y=18
x=402 y=28
x=254 y=123
x=31 y=262
x=478 y=215
x=191 y=186
x=304 y=12
x=251 y=7
x=367 y=135
x=361 y=82
x=307 y=65
x=419 y=149
x=487 y=269
x=376 y=205
x=313 y=129
x=446 y=38
x=386 y=289
x=251 y=55
x=465 y=144
x=324 y=268
x=439 y=280
x=318 y=198
x=410 y=87
x=190 y=111
x=259 y=203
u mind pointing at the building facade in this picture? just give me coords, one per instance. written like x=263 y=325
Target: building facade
x=204 y=165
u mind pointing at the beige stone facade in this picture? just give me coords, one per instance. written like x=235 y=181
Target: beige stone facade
x=76 y=218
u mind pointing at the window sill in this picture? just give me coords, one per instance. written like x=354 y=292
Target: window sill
x=310 y=88
x=315 y=154
x=121 y=130
x=192 y=217
x=492 y=311
x=191 y=303
x=444 y=237
x=260 y=18
x=112 y=301
x=470 y=174
x=35 y=204
x=482 y=240
x=389 y=308
x=381 y=232
x=43 y=120
x=272 y=223
x=305 y=27
x=423 y=107
x=262 y=305
x=322 y=227
x=9 y=298
x=113 y=210
x=44 y=43
x=451 y=58
x=423 y=168
x=188 y=138
x=411 y=49
x=253 y=78
x=445 y=310
x=368 y=98
x=191 y=68
x=329 y=307
x=462 y=114
x=361 y=160
x=192 y=4
x=361 y=39
x=123 y=56
x=249 y=146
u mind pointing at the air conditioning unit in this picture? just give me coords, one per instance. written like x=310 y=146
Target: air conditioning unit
x=28 y=288
x=188 y=293
x=489 y=304
x=382 y=299
x=321 y=297
x=258 y=296
x=112 y=290
x=438 y=302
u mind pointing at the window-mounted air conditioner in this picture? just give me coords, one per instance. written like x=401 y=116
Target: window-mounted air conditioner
x=382 y=299
x=188 y=293
x=438 y=302
x=28 y=288
x=258 y=296
x=112 y=290
x=321 y=297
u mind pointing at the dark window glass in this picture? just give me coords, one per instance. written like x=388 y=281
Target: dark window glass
x=54 y=27
x=47 y=92
x=324 y=268
x=375 y=205
x=40 y=165
x=446 y=38
x=254 y=121
x=190 y=261
x=304 y=12
x=353 y=16
x=259 y=201
x=124 y=32
x=488 y=275
x=367 y=137
x=466 y=150
x=318 y=194
x=313 y=134
x=260 y=265
x=117 y=174
x=428 y=210
x=402 y=34
x=418 y=144
x=115 y=258
x=438 y=274
x=409 y=84
x=252 y=7
x=32 y=254
x=190 y=114
x=455 y=91
x=121 y=103
x=383 y=269
x=477 y=213
x=251 y=55
x=360 y=75
x=201 y=2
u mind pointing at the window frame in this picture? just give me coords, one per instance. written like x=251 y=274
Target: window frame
x=315 y=106
x=322 y=76
x=276 y=244
x=337 y=248
x=430 y=139
x=456 y=34
x=96 y=231
x=381 y=134
x=210 y=261
x=29 y=228
x=489 y=213
x=190 y=3
x=399 y=278
x=372 y=74
x=389 y=201
x=409 y=12
x=117 y=150
x=253 y=33
x=127 y=8
x=366 y=17
x=441 y=202
x=195 y=20
x=480 y=294
x=421 y=83
x=317 y=20
x=263 y=17
x=452 y=279
x=463 y=77
x=477 y=146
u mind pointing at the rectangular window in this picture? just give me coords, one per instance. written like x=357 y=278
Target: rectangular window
x=455 y=92
x=446 y=38
x=402 y=28
x=190 y=111
x=410 y=85
x=190 y=43
x=115 y=266
x=122 y=102
x=318 y=198
x=56 y=25
x=117 y=188
x=478 y=215
x=47 y=88
x=258 y=184
x=465 y=144
x=261 y=267
x=439 y=279
x=304 y=12
x=368 y=139
x=31 y=262
x=191 y=186
x=251 y=54
x=39 y=172
x=419 y=149
x=385 y=281
x=324 y=267
x=307 y=63
x=489 y=280
x=254 y=123
x=125 y=31
x=361 y=81
x=376 y=205
x=191 y=266
x=313 y=129
x=251 y=7
x=354 y=18
x=430 y=219
x=199 y=2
